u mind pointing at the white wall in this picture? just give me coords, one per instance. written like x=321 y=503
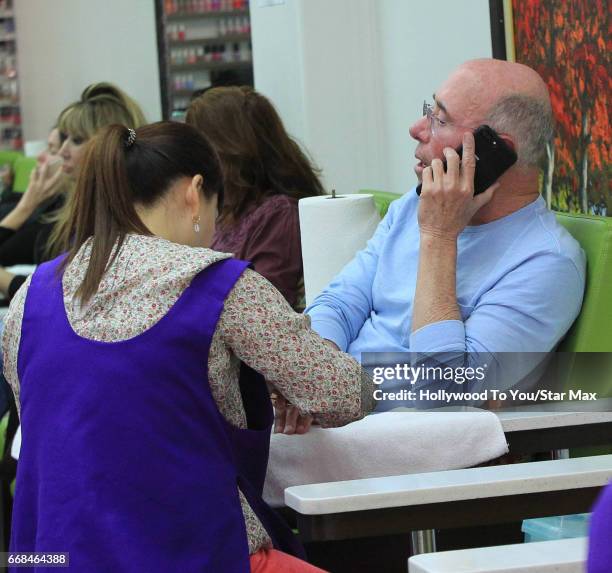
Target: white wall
x=64 y=45
x=350 y=76
x=314 y=60
x=276 y=34
x=421 y=43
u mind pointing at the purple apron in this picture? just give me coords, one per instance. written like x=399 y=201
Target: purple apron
x=126 y=462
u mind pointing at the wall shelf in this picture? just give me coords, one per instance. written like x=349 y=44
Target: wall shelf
x=10 y=122
x=228 y=38
x=184 y=16
x=211 y=66
x=223 y=33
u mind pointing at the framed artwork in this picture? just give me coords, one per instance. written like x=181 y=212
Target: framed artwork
x=568 y=43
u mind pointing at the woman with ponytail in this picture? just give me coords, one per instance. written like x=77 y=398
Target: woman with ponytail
x=138 y=361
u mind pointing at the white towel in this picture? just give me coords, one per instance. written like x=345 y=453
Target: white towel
x=392 y=443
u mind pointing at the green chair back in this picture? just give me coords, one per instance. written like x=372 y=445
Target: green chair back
x=9 y=157
x=23 y=166
x=591 y=332
x=3 y=427
x=382 y=199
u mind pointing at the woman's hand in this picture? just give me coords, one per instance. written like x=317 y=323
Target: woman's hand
x=45 y=182
x=287 y=418
x=447 y=198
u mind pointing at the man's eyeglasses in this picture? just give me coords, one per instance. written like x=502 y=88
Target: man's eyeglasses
x=435 y=123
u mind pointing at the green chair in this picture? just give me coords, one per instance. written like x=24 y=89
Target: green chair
x=591 y=332
x=9 y=157
x=382 y=199
x=3 y=427
x=590 y=337
x=23 y=166
x=7 y=160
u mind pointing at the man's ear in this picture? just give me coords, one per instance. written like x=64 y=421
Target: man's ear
x=508 y=140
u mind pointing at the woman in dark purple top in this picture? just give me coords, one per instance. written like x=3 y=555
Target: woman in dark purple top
x=265 y=175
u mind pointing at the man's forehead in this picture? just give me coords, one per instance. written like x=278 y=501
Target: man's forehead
x=462 y=95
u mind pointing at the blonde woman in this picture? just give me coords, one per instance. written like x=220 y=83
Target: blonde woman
x=24 y=230
x=100 y=105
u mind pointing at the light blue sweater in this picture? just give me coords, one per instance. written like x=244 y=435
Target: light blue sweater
x=520 y=283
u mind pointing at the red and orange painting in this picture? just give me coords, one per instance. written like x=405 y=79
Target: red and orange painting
x=568 y=42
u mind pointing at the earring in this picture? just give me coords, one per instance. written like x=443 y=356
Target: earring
x=196 y=223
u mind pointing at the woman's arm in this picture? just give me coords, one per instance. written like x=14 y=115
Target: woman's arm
x=262 y=330
x=5 y=281
x=19 y=247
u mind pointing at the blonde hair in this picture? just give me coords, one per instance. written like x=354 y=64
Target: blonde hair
x=101 y=104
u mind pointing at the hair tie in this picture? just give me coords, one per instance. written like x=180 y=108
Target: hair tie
x=131 y=137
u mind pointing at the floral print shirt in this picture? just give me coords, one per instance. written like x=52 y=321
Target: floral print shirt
x=256 y=326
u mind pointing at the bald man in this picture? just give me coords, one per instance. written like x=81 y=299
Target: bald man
x=451 y=273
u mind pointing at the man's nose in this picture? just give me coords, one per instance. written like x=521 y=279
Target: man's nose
x=420 y=131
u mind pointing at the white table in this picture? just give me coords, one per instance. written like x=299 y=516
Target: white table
x=450 y=486
x=538 y=428
x=544 y=416
x=547 y=427
x=559 y=556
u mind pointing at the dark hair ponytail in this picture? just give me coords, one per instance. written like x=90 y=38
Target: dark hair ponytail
x=117 y=174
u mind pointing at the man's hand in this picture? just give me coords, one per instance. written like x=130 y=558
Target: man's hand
x=447 y=199
x=287 y=418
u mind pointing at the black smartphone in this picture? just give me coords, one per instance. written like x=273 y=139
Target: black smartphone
x=493 y=157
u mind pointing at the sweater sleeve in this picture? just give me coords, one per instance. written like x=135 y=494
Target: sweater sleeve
x=15 y=285
x=512 y=326
x=262 y=330
x=18 y=246
x=5 y=234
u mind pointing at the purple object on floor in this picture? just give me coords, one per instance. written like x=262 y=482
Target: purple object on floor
x=600 y=538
